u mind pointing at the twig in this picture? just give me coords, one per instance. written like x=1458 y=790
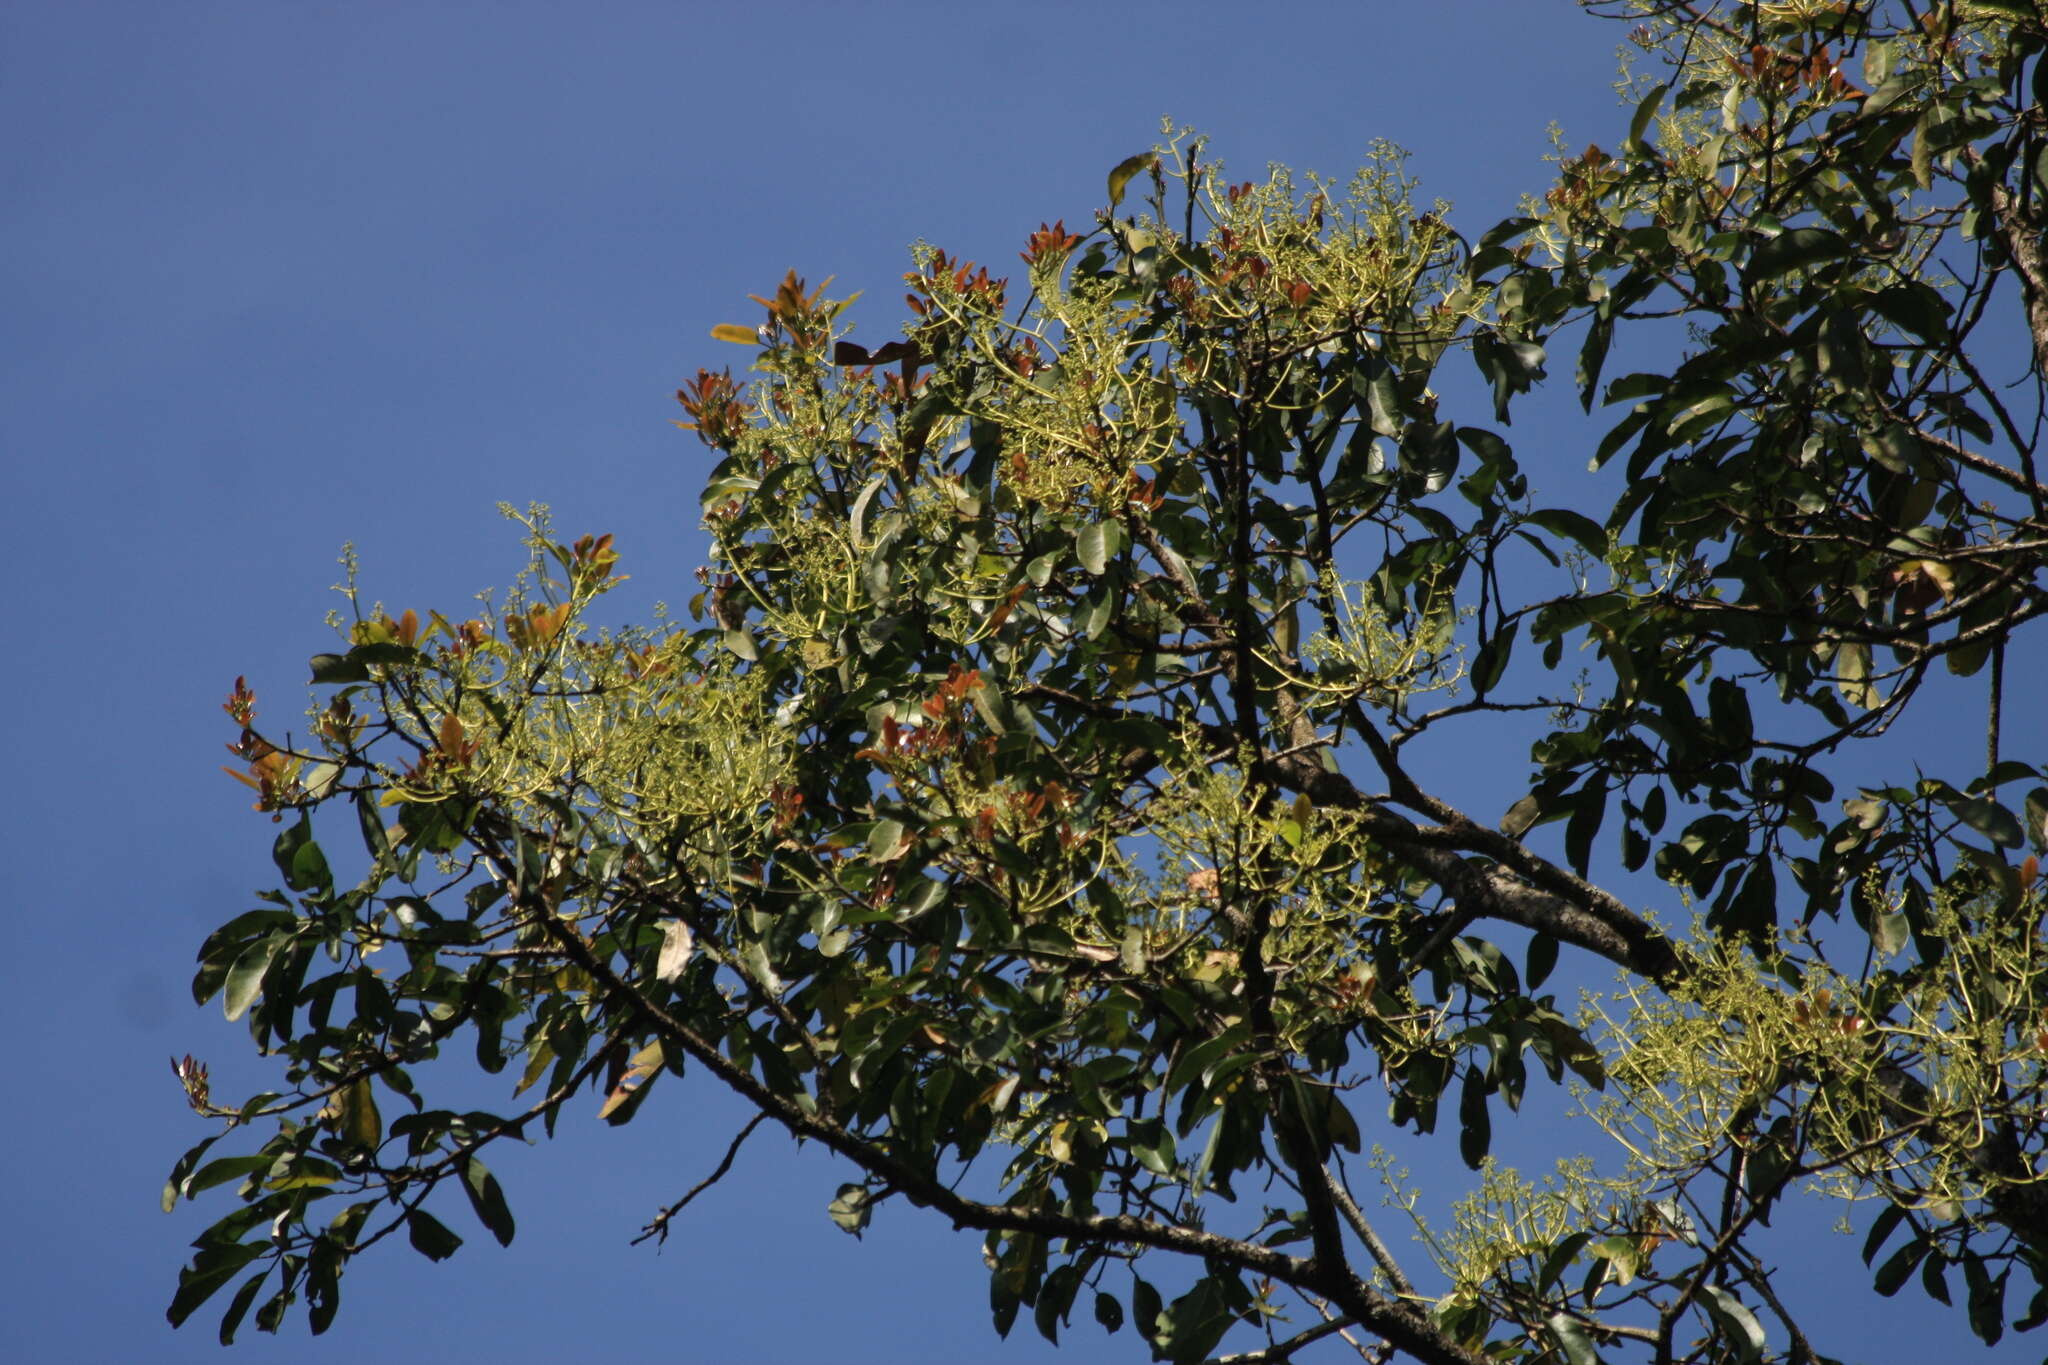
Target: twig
x=658 y=1228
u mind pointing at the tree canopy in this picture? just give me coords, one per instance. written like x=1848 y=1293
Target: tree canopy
x=1035 y=809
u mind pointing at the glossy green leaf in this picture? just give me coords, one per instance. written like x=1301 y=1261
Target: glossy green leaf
x=1097 y=543
x=1573 y=1339
x=245 y=979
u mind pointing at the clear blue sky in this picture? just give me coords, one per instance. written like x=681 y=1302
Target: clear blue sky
x=274 y=277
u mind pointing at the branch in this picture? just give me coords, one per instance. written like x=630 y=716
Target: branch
x=1284 y=1350
x=1380 y=1255
x=1518 y=887
x=658 y=1229
x=1396 y=1322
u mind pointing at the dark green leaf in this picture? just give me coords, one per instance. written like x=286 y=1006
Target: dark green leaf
x=1146 y=1306
x=1794 y=249
x=1493 y=657
x=1934 y=1276
x=1475 y=1127
x=1900 y=1264
x=1593 y=358
x=429 y=1236
x=1915 y=308
x=1576 y=526
x=238 y=1307
x=1881 y=1228
x=1987 y=1299
x=487 y=1200
x=213 y=1267
x=338 y=668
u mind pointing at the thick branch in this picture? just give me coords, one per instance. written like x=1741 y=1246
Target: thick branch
x=2022 y=237
x=1535 y=894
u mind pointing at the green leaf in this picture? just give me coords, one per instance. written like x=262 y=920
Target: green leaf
x=359 y=1123
x=1900 y=1264
x=1915 y=308
x=226 y=1168
x=245 y=978
x=1638 y=125
x=852 y=1208
x=1492 y=660
x=1097 y=544
x=1576 y=526
x=1559 y=1259
x=1593 y=358
x=338 y=668
x=1739 y=1326
x=430 y=1237
x=1522 y=816
x=309 y=871
x=175 y=1186
x=1795 y=249
x=1192 y=1325
x=487 y=1200
x=1881 y=1228
x=375 y=840
x=213 y=1267
x=354 y=666
x=1991 y=820
x=1109 y=1312
x=1987 y=1299
x=238 y=1307
x=1573 y=1339
x=1475 y=1127
x=1095 y=612
x=1623 y=1255
x=285 y=849
x=1146 y=1306
x=886 y=840
x=1934 y=1277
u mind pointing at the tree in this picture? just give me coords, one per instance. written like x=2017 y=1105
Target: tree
x=1032 y=814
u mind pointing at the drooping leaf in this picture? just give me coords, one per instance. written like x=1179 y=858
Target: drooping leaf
x=487 y=1200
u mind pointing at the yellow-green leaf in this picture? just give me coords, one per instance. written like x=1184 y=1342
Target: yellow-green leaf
x=733 y=332
x=1125 y=169
x=359 y=1122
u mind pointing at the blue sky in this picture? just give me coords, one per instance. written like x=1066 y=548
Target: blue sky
x=281 y=276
